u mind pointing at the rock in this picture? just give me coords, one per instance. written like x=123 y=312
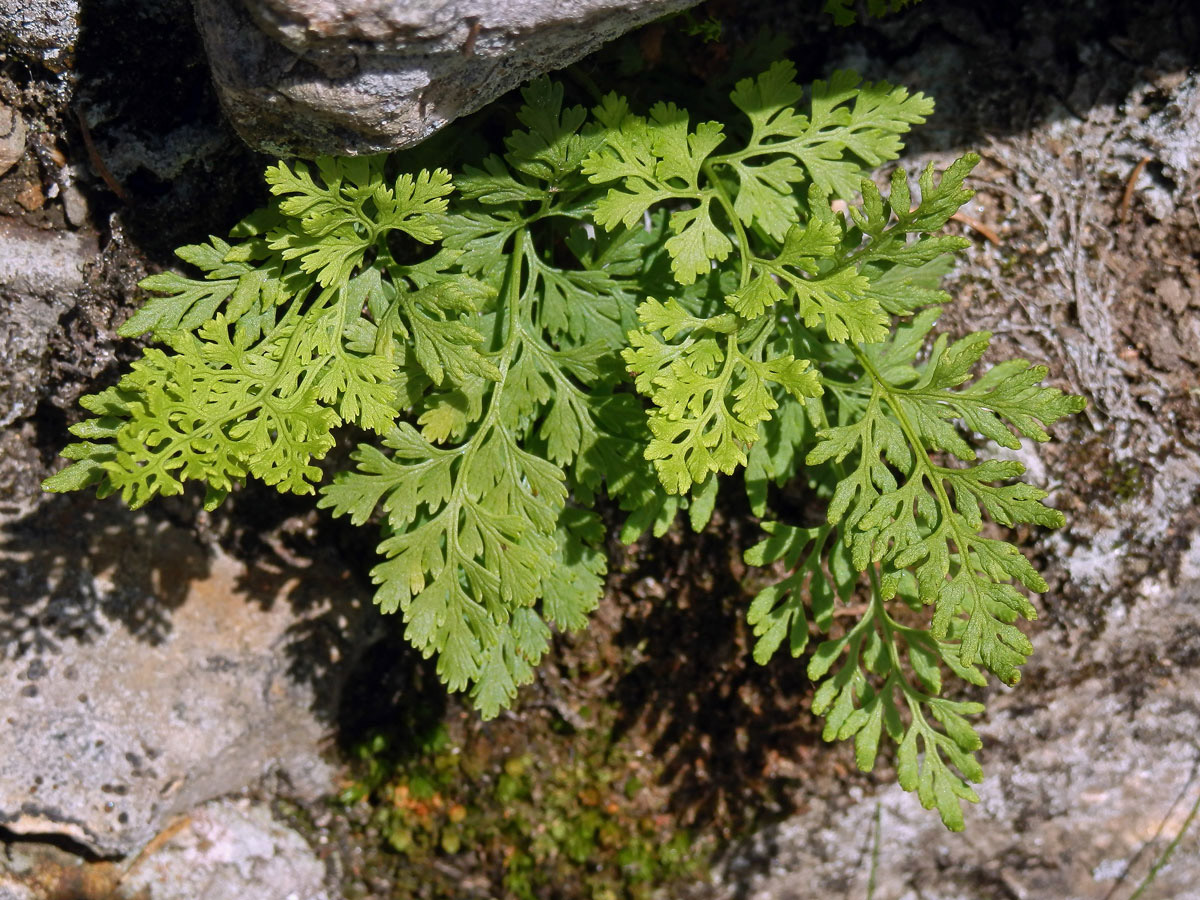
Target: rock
x=74 y=204
x=224 y=849
x=13 y=888
x=306 y=77
x=1170 y=133
x=142 y=674
x=12 y=138
x=228 y=849
x=1085 y=787
x=1174 y=295
x=44 y=30
x=39 y=273
x=31 y=197
x=42 y=263
x=38 y=871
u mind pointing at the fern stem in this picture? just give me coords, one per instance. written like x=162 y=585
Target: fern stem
x=722 y=195
x=928 y=470
x=920 y=455
x=512 y=309
x=889 y=628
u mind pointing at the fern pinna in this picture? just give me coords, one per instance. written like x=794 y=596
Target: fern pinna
x=628 y=305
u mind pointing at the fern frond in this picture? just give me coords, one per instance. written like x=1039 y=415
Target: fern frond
x=625 y=306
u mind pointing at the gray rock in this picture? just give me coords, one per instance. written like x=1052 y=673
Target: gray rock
x=307 y=77
x=142 y=674
x=221 y=850
x=1170 y=133
x=1084 y=789
x=224 y=850
x=39 y=273
x=41 y=263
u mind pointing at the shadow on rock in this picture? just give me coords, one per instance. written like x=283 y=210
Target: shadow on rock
x=995 y=70
x=73 y=566
x=334 y=623
x=728 y=731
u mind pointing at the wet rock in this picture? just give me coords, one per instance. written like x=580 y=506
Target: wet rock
x=42 y=30
x=142 y=674
x=314 y=76
x=40 y=271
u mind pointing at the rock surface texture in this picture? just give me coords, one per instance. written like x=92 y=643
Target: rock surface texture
x=12 y=138
x=139 y=677
x=40 y=271
x=229 y=849
x=306 y=77
x=1120 y=767
x=222 y=850
x=45 y=29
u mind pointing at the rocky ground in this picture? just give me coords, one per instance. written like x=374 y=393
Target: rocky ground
x=1087 y=232
x=180 y=688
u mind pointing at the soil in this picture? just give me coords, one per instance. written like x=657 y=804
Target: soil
x=1085 y=257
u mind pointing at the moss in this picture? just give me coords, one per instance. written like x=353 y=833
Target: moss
x=1125 y=479
x=568 y=818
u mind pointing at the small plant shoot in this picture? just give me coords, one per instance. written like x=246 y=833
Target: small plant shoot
x=636 y=305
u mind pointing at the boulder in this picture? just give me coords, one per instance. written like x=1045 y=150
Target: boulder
x=143 y=673
x=310 y=77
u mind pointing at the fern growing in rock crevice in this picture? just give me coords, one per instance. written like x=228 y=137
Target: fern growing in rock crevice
x=632 y=306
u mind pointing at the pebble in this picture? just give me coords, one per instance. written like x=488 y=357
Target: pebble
x=75 y=204
x=31 y=197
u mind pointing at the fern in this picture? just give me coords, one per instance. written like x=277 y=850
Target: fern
x=629 y=306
